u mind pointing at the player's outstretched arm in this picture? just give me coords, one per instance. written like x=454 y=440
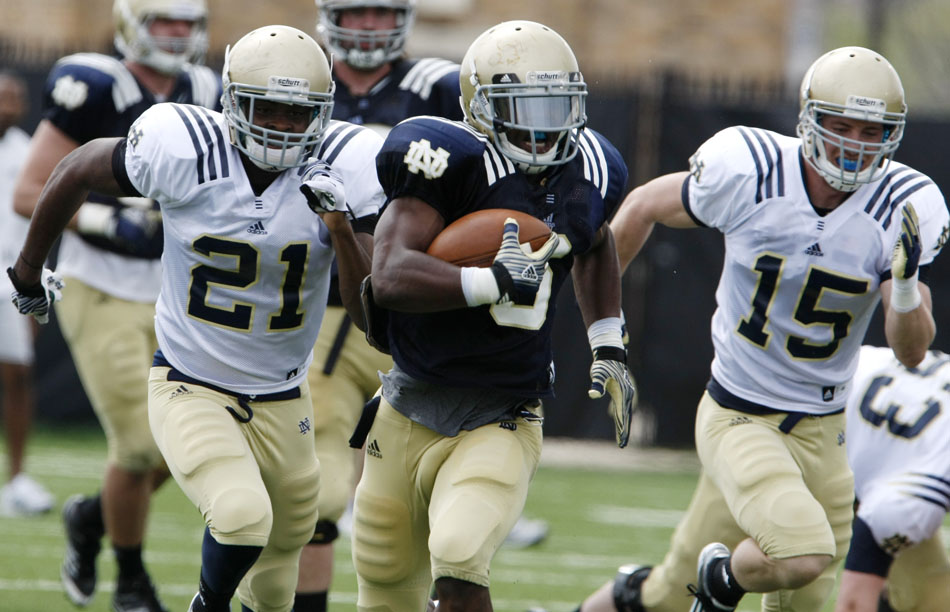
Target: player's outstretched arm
x=87 y=168
x=908 y=317
x=657 y=201
x=596 y=276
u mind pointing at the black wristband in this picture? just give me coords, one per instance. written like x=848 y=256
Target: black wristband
x=34 y=290
x=612 y=353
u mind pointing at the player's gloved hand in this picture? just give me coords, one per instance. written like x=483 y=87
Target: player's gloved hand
x=519 y=272
x=609 y=373
x=904 y=293
x=323 y=188
x=35 y=300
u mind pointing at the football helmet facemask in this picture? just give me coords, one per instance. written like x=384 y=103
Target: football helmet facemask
x=277 y=64
x=364 y=49
x=521 y=87
x=856 y=83
x=134 y=40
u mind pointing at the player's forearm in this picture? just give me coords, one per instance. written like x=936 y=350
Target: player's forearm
x=354 y=260
x=910 y=334
x=596 y=277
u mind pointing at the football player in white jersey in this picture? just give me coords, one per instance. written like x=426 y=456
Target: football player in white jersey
x=21 y=495
x=897 y=431
x=110 y=260
x=818 y=229
x=246 y=269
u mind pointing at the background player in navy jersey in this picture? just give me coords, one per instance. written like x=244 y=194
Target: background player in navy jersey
x=457 y=435
x=246 y=269
x=110 y=261
x=818 y=229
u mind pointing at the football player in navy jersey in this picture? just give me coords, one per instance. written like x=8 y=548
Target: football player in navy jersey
x=376 y=87
x=245 y=274
x=818 y=230
x=111 y=264
x=457 y=432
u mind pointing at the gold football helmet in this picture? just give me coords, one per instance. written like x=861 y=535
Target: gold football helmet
x=522 y=88
x=276 y=64
x=136 y=43
x=364 y=49
x=856 y=83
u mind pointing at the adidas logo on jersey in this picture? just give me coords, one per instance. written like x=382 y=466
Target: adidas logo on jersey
x=256 y=228
x=373 y=449
x=509 y=425
x=814 y=250
x=181 y=390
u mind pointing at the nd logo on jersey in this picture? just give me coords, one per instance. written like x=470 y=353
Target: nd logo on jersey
x=420 y=156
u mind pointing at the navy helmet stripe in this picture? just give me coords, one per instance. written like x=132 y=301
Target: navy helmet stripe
x=200 y=159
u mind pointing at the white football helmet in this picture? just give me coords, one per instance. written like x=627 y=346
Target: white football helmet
x=364 y=49
x=857 y=83
x=276 y=64
x=522 y=88
x=132 y=19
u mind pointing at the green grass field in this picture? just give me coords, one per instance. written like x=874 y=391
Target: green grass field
x=600 y=518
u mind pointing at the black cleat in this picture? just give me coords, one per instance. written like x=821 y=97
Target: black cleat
x=704 y=601
x=626 y=592
x=78 y=572
x=136 y=596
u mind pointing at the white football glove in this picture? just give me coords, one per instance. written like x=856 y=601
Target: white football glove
x=35 y=300
x=609 y=373
x=517 y=270
x=323 y=188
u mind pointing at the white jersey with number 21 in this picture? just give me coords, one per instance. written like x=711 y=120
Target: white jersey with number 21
x=245 y=277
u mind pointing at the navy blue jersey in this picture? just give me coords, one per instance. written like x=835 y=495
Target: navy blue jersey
x=428 y=86
x=90 y=95
x=457 y=170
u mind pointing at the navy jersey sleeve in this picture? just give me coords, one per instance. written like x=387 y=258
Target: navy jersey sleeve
x=434 y=160
x=78 y=99
x=445 y=97
x=606 y=169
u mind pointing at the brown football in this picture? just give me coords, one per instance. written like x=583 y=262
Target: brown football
x=474 y=239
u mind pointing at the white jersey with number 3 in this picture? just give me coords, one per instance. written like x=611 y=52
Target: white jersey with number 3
x=898 y=440
x=798 y=289
x=245 y=277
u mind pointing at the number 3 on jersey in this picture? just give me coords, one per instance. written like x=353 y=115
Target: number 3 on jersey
x=243 y=275
x=510 y=314
x=807 y=312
